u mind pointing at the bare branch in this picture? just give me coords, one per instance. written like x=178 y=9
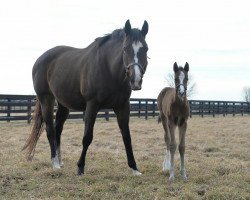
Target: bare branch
x=246 y=94
x=191 y=86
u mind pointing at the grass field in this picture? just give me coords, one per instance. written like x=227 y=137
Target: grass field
x=217 y=162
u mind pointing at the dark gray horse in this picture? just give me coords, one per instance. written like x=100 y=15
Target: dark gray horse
x=174 y=111
x=99 y=76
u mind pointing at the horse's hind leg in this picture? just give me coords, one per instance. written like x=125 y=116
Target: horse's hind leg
x=47 y=106
x=182 y=133
x=166 y=162
x=61 y=116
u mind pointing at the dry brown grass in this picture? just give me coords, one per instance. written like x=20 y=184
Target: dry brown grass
x=217 y=162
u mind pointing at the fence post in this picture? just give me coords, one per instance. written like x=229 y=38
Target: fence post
x=154 y=106
x=242 y=109
x=146 y=111
x=233 y=109
x=9 y=110
x=139 y=111
x=202 y=109
x=190 y=109
x=248 y=107
x=107 y=115
x=29 y=111
x=213 y=109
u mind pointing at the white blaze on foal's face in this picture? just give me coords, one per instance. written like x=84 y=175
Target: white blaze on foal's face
x=136 y=47
x=181 y=78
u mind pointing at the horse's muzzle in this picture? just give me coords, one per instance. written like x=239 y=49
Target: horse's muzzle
x=133 y=87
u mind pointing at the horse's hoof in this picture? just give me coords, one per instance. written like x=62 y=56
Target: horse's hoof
x=55 y=163
x=61 y=164
x=171 y=179
x=136 y=172
x=80 y=172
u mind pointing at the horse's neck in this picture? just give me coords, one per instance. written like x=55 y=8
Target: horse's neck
x=182 y=102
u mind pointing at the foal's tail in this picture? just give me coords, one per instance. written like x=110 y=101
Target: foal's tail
x=37 y=129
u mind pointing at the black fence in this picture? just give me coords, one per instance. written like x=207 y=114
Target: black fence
x=20 y=107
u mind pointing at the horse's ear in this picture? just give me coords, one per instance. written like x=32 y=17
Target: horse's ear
x=186 y=68
x=127 y=28
x=144 y=29
x=176 y=68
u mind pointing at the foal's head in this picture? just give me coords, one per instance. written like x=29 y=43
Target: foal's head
x=181 y=79
x=135 y=54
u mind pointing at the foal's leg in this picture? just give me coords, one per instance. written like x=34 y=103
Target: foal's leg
x=123 y=122
x=61 y=116
x=166 y=162
x=172 y=127
x=47 y=106
x=90 y=117
x=182 y=133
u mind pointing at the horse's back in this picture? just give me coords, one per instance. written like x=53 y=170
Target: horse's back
x=42 y=64
x=58 y=69
x=166 y=93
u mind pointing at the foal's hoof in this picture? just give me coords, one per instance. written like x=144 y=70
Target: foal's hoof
x=136 y=172
x=80 y=173
x=171 y=179
x=184 y=175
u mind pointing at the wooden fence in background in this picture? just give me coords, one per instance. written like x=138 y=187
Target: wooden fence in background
x=20 y=107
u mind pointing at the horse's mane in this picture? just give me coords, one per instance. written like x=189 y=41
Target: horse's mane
x=118 y=34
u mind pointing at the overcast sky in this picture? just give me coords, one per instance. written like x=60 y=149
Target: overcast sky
x=212 y=36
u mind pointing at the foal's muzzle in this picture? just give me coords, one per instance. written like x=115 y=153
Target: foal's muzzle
x=181 y=90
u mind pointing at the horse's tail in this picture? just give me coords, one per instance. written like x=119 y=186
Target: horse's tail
x=37 y=129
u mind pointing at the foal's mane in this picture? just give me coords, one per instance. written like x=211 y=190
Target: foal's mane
x=119 y=34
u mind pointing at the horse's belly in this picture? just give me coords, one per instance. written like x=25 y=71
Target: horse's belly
x=72 y=102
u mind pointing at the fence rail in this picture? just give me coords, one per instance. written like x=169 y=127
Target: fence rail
x=19 y=107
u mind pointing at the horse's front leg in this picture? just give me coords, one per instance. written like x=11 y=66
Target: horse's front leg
x=182 y=133
x=172 y=149
x=90 y=117
x=123 y=122
x=166 y=162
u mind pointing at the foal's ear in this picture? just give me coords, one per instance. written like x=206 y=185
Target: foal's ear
x=186 y=68
x=144 y=29
x=127 y=28
x=176 y=68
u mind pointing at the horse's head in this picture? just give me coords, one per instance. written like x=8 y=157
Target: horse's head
x=181 y=79
x=135 y=54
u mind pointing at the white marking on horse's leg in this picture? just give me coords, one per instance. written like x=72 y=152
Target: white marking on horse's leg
x=58 y=152
x=183 y=170
x=55 y=162
x=172 y=172
x=136 y=172
x=183 y=174
x=166 y=162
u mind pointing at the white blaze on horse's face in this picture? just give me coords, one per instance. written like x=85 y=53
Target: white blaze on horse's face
x=138 y=76
x=181 y=87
